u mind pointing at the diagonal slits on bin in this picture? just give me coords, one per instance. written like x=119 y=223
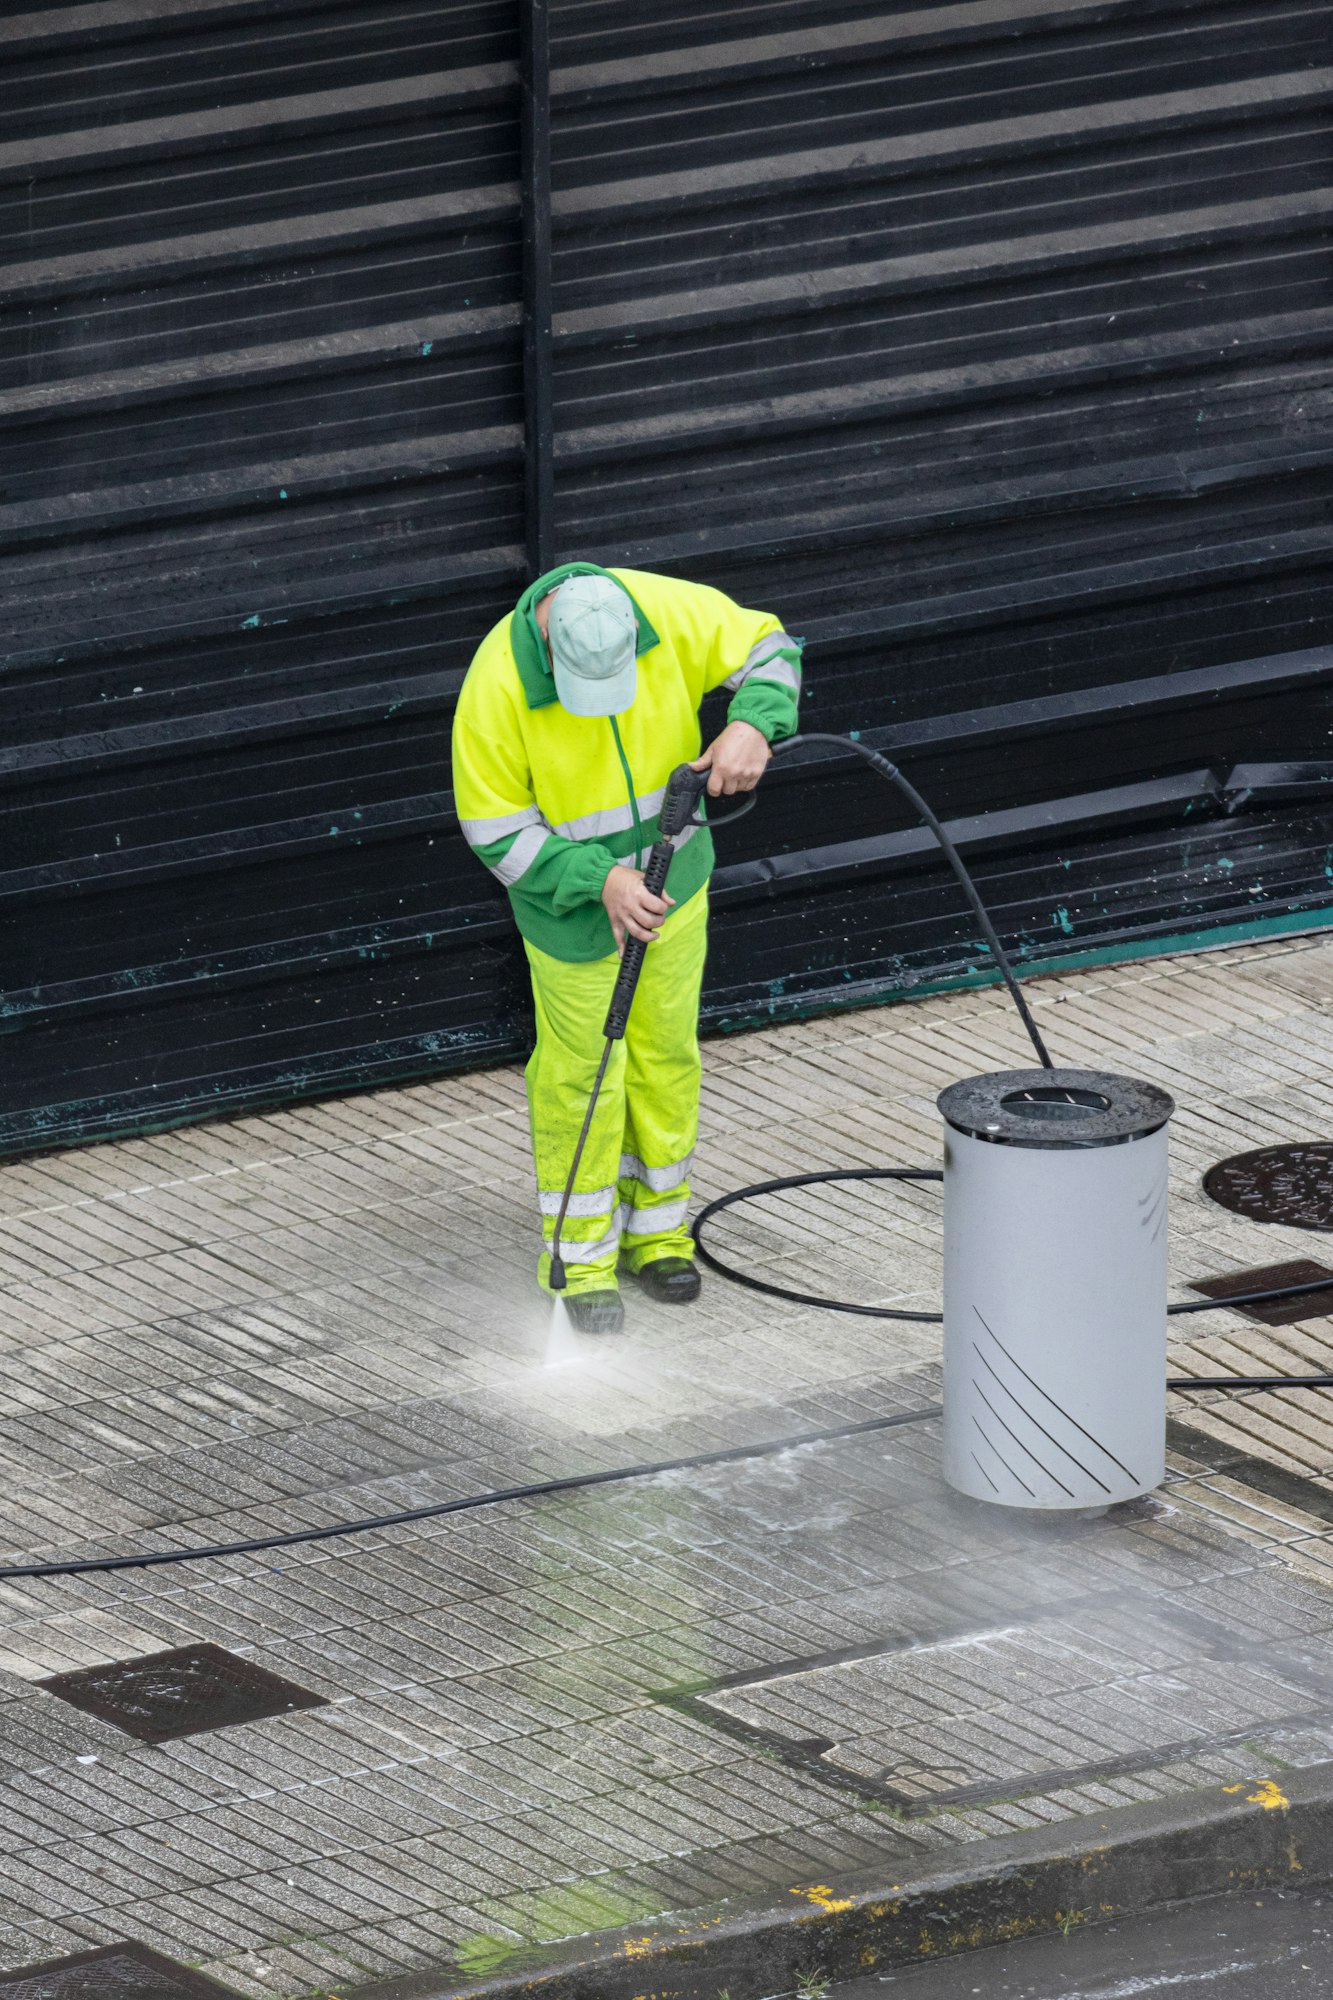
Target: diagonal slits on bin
x=1012 y=1381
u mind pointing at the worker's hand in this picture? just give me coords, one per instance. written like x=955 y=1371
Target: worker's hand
x=736 y=760
x=633 y=912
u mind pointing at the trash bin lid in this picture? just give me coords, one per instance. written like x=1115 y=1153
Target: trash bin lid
x=1063 y=1109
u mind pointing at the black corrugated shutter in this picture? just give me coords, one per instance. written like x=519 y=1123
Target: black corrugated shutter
x=986 y=342
x=262 y=490
x=989 y=342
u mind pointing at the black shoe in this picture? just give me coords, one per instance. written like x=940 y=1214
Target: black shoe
x=594 y=1312
x=672 y=1281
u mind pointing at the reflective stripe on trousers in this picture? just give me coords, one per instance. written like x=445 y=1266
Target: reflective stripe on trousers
x=631 y=1201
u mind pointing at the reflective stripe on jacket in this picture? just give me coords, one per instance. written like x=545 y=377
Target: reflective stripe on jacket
x=551 y=801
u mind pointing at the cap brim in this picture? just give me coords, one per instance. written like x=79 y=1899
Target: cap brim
x=611 y=696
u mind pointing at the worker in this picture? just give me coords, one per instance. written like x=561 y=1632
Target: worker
x=575 y=710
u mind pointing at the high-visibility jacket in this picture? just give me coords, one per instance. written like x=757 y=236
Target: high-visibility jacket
x=551 y=801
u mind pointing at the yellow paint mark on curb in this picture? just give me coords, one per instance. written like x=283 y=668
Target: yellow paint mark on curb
x=823 y=1898
x=637 y=1947
x=1268 y=1796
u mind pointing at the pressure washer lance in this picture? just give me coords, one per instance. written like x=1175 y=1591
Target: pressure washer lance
x=685 y=787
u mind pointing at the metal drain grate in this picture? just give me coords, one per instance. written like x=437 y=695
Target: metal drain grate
x=1291 y=1184
x=113 y=1972
x=1279 y=1312
x=181 y=1693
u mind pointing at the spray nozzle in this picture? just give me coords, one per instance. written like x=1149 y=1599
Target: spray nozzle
x=557 y=1274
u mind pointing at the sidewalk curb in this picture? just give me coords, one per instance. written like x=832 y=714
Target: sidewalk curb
x=1262 y=1834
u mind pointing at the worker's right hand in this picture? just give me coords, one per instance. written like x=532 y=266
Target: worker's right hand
x=632 y=910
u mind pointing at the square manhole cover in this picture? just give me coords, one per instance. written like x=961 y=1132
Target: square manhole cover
x=1268 y=1278
x=113 y=1972
x=1032 y=1706
x=181 y=1693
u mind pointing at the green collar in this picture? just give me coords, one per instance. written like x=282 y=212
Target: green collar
x=529 y=648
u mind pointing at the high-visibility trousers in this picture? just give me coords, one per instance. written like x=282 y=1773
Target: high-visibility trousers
x=632 y=1194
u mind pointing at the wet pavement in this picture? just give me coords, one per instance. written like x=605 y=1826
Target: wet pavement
x=1277 y=1947
x=722 y=1685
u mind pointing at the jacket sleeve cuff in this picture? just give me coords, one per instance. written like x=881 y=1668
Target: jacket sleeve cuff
x=586 y=867
x=766 y=707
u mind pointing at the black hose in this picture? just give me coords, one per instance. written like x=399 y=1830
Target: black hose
x=951 y=855
x=739 y=1277
x=576 y=1482
x=753 y=1284
x=760 y=1188
x=1253 y=1298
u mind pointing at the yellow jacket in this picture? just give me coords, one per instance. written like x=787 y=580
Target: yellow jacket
x=551 y=801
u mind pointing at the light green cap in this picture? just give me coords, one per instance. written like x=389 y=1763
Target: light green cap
x=593 y=637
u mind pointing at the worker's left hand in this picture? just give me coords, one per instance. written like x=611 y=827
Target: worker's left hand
x=736 y=760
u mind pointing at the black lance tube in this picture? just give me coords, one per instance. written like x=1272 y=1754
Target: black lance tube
x=685 y=788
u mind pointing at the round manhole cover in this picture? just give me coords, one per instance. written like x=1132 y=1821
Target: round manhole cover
x=1291 y=1184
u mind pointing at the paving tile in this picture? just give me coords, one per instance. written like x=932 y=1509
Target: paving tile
x=326 y=1311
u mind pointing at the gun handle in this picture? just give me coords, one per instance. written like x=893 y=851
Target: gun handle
x=684 y=789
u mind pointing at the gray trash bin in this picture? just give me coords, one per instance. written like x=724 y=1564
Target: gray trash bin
x=1055 y=1247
